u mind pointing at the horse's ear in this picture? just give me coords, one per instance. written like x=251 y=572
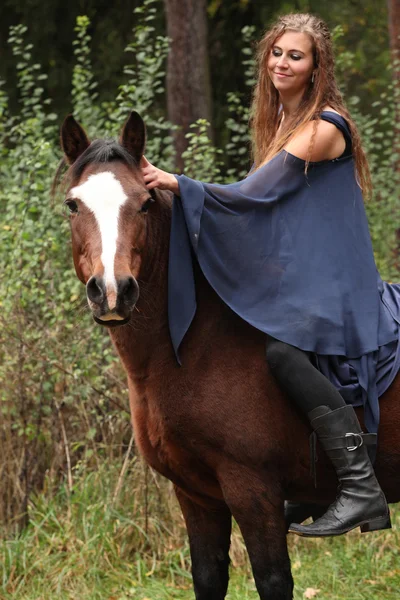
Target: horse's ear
x=74 y=140
x=133 y=136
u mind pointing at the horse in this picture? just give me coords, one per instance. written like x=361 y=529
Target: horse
x=217 y=426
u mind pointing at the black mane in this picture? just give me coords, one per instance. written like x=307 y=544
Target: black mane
x=102 y=151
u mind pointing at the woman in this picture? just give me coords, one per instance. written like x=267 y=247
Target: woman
x=288 y=249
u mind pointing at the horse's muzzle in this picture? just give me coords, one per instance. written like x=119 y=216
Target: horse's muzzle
x=122 y=302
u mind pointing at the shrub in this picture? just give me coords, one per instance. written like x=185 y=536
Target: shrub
x=63 y=398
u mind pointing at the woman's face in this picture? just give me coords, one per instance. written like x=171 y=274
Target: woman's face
x=291 y=62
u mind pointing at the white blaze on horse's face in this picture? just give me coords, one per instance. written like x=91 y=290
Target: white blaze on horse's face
x=104 y=195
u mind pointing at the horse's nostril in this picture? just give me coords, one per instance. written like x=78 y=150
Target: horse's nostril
x=128 y=291
x=95 y=291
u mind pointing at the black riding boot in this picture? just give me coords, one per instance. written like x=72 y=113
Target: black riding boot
x=361 y=502
x=297 y=512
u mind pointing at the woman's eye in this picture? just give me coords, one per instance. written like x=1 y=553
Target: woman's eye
x=276 y=52
x=72 y=206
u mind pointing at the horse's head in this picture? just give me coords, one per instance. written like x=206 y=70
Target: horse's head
x=108 y=200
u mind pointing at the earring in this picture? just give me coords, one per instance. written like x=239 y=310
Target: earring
x=313 y=77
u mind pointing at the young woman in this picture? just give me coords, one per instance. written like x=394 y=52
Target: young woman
x=289 y=250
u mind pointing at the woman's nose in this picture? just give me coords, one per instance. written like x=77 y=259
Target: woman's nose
x=282 y=62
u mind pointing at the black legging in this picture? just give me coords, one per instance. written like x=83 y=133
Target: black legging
x=300 y=379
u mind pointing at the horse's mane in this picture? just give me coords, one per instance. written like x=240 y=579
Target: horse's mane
x=102 y=151
x=99 y=151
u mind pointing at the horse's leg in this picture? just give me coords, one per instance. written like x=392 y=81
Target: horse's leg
x=209 y=537
x=257 y=505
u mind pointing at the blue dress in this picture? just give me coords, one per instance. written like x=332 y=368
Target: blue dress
x=291 y=254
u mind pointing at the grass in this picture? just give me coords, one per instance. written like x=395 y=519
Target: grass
x=107 y=542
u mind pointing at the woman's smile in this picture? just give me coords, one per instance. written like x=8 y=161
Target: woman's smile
x=291 y=62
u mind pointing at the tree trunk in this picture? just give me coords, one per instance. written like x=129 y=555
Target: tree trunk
x=394 y=40
x=188 y=76
x=394 y=33
x=394 y=23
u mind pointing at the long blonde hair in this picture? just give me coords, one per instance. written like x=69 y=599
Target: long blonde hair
x=323 y=91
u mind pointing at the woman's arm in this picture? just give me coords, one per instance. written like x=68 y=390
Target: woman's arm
x=154 y=177
x=328 y=143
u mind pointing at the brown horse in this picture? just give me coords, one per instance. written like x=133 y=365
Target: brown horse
x=218 y=426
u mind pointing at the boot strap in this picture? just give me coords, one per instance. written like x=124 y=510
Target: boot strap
x=351 y=441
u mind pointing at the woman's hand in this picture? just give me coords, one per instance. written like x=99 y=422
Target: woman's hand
x=156 y=178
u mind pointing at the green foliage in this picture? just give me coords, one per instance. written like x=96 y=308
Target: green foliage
x=35 y=121
x=44 y=369
x=84 y=94
x=112 y=529
x=29 y=75
x=107 y=534
x=201 y=157
x=3 y=101
x=61 y=387
x=377 y=133
x=238 y=146
x=92 y=543
x=5 y=124
x=147 y=72
x=145 y=83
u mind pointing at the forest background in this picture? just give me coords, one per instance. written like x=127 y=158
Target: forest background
x=80 y=515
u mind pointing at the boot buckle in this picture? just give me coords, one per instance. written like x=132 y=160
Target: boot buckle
x=357 y=438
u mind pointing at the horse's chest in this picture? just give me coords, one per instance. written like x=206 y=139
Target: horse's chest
x=159 y=436
x=168 y=447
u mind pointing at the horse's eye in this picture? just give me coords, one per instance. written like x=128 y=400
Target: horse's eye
x=72 y=206
x=146 y=205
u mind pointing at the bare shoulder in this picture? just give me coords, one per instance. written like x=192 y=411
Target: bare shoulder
x=328 y=142
x=330 y=109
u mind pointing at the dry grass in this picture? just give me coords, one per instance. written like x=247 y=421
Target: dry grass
x=94 y=543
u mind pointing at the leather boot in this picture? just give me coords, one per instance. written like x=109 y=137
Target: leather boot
x=360 y=502
x=297 y=512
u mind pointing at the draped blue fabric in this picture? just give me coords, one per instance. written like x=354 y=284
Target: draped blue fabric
x=291 y=254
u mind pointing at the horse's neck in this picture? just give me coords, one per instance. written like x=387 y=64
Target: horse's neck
x=147 y=330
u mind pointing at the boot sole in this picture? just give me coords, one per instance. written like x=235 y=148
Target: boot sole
x=365 y=527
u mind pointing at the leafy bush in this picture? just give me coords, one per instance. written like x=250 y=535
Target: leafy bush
x=377 y=134
x=63 y=398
